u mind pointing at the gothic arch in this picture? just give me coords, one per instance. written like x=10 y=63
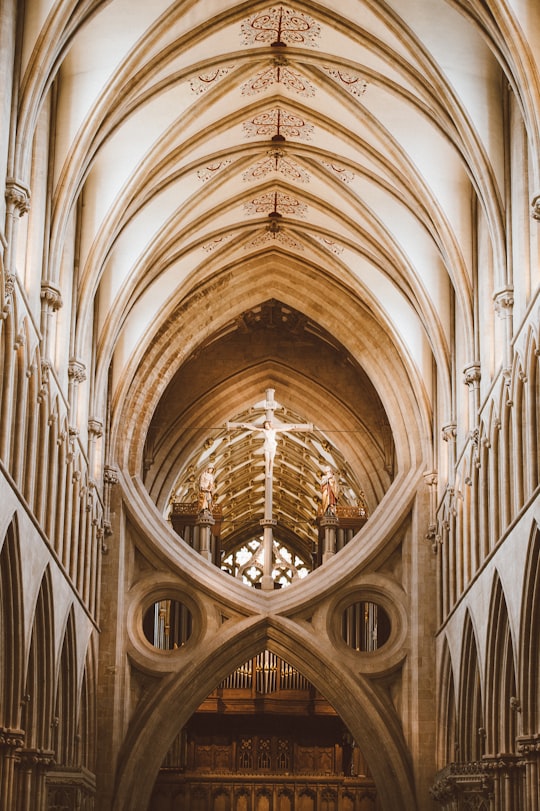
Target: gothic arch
x=11 y=629
x=86 y=715
x=470 y=714
x=367 y=718
x=37 y=712
x=500 y=679
x=447 y=716
x=529 y=653
x=65 y=711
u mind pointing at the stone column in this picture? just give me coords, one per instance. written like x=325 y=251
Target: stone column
x=32 y=789
x=76 y=376
x=51 y=301
x=471 y=377
x=95 y=432
x=504 y=306
x=529 y=748
x=330 y=524
x=110 y=478
x=10 y=741
x=449 y=433
x=205 y=522
x=18 y=204
x=268 y=524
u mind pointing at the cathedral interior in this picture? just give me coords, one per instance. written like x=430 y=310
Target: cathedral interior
x=269 y=405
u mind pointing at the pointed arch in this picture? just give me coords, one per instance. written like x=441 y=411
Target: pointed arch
x=500 y=677
x=11 y=629
x=447 y=715
x=470 y=714
x=65 y=716
x=532 y=420
x=529 y=654
x=86 y=727
x=367 y=717
x=37 y=712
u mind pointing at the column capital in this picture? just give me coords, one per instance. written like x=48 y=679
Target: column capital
x=17 y=195
x=205 y=519
x=449 y=432
x=535 y=205
x=504 y=301
x=95 y=427
x=76 y=371
x=528 y=745
x=471 y=374
x=50 y=294
x=110 y=475
x=11 y=738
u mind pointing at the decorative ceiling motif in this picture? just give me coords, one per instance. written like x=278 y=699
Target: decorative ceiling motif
x=201 y=83
x=278 y=202
x=354 y=84
x=342 y=172
x=279 y=163
x=274 y=232
x=279 y=74
x=280 y=26
x=216 y=243
x=278 y=124
x=204 y=173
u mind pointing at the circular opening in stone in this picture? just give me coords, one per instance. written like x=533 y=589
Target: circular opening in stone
x=365 y=626
x=167 y=624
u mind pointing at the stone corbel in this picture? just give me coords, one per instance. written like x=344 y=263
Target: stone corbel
x=471 y=375
x=76 y=371
x=449 y=432
x=51 y=297
x=535 y=206
x=17 y=196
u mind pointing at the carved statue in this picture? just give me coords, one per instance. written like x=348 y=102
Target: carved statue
x=206 y=489
x=329 y=491
x=270 y=442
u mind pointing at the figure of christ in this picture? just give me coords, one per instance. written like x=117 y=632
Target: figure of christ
x=270 y=441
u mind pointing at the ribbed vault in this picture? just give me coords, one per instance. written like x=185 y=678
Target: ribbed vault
x=315 y=198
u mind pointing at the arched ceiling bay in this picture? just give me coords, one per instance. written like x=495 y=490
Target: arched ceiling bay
x=344 y=146
x=200 y=132
x=271 y=342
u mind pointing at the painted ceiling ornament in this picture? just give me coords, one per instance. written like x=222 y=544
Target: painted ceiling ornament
x=280 y=26
x=351 y=82
x=278 y=203
x=342 y=172
x=216 y=243
x=204 y=173
x=330 y=245
x=201 y=83
x=277 y=162
x=278 y=124
x=279 y=74
x=274 y=233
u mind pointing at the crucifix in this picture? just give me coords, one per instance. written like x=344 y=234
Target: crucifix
x=269 y=430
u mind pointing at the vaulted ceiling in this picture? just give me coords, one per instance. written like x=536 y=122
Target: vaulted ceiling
x=274 y=196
